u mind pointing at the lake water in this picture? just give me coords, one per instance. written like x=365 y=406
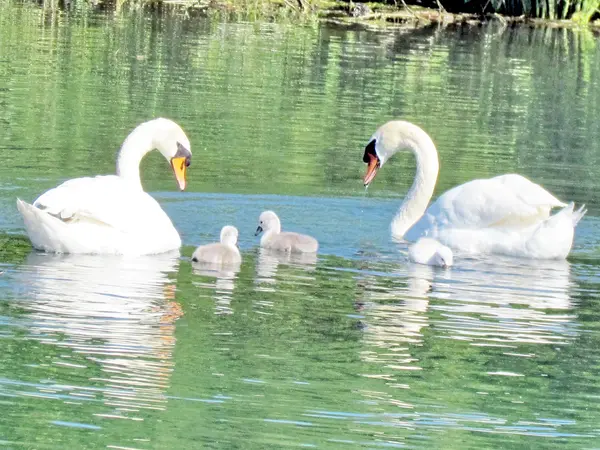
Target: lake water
x=355 y=349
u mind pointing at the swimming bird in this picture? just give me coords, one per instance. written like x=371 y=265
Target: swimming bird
x=111 y=214
x=223 y=252
x=430 y=252
x=285 y=241
x=507 y=214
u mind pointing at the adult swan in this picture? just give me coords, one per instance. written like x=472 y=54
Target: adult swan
x=112 y=214
x=507 y=214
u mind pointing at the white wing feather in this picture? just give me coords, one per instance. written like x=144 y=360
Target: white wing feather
x=104 y=215
x=505 y=201
x=106 y=200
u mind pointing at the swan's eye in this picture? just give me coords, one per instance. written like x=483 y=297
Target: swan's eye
x=370 y=151
x=183 y=152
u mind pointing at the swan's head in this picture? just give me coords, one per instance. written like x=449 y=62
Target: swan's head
x=229 y=235
x=389 y=139
x=442 y=257
x=268 y=220
x=171 y=141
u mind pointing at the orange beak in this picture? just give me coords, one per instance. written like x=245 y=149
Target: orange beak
x=372 y=168
x=179 y=167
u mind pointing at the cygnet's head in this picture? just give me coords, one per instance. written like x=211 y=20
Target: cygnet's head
x=442 y=257
x=268 y=220
x=229 y=235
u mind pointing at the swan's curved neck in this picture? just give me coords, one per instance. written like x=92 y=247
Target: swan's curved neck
x=414 y=205
x=135 y=147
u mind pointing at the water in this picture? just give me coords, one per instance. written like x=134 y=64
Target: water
x=355 y=349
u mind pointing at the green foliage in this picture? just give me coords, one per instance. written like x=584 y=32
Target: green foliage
x=580 y=11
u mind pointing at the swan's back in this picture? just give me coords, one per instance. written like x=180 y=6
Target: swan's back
x=505 y=202
x=106 y=199
x=103 y=214
x=291 y=242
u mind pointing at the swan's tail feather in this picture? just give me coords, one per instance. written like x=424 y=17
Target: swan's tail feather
x=41 y=227
x=578 y=215
x=570 y=212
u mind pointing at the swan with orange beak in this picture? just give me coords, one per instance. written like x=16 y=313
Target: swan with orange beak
x=507 y=214
x=111 y=214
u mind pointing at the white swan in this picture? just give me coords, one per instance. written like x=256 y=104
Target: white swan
x=223 y=252
x=430 y=252
x=286 y=241
x=507 y=214
x=112 y=214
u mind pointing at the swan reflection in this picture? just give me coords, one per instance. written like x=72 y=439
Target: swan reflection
x=268 y=265
x=119 y=312
x=224 y=276
x=505 y=303
x=395 y=310
x=510 y=302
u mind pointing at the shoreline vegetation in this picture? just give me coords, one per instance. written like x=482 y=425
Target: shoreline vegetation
x=400 y=13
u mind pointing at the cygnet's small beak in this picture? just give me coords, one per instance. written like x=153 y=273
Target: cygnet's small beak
x=258 y=231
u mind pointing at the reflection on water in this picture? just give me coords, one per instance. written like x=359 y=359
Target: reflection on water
x=300 y=265
x=116 y=314
x=224 y=276
x=509 y=302
x=367 y=352
x=515 y=310
x=495 y=304
x=395 y=311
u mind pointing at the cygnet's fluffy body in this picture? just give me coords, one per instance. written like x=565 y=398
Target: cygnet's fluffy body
x=284 y=241
x=223 y=252
x=430 y=252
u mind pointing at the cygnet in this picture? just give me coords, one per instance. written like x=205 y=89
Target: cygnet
x=224 y=252
x=285 y=241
